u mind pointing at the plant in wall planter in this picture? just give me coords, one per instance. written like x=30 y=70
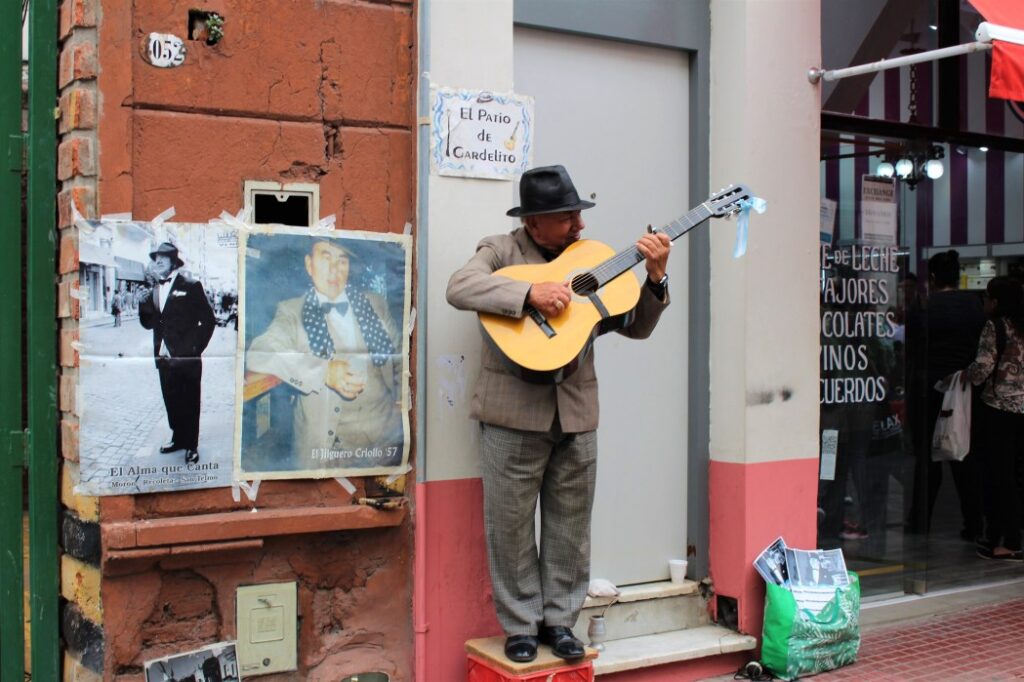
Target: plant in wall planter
x=214 y=28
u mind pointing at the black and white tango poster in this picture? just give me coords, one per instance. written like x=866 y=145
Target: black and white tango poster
x=214 y=663
x=157 y=345
x=323 y=382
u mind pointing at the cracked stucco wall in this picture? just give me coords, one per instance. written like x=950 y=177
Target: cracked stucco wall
x=318 y=92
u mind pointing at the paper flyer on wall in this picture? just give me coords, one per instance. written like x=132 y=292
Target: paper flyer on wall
x=325 y=354
x=157 y=347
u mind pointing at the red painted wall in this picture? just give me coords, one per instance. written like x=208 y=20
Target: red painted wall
x=295 y=92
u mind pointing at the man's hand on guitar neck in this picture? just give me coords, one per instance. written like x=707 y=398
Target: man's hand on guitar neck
x=550 y=298
x=655 y=247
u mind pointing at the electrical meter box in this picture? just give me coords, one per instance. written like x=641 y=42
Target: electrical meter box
x=267 y=634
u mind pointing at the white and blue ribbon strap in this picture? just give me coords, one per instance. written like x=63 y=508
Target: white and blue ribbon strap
x=742 y=223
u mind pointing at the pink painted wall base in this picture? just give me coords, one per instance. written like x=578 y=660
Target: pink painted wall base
x=456 y=598
x=751 y=505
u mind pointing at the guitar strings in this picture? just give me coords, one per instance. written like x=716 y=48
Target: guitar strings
x=624 y=260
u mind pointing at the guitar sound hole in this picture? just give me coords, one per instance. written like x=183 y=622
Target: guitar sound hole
x=584 y=284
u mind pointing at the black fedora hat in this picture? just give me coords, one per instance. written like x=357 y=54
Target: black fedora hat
x=167 y=249
x=547 y=189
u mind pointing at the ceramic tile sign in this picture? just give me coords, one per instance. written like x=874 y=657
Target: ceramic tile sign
x=163 y=50
x=158 y=341
x=479 y=134
x=322 y=388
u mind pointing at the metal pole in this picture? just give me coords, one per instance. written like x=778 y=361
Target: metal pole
x=12 y=449
x=420 y=582
x=41 y=317
x=815 y=75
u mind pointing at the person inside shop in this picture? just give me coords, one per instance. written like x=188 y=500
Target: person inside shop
x=998 y=369
x=539 y=440
x=951 y=327
x=335 y=345
x=177 y=310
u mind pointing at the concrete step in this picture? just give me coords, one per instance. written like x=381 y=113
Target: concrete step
x=670 y=647
x=657 y=623
x=646 y=609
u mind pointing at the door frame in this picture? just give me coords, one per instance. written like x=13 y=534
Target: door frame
x=685 y=27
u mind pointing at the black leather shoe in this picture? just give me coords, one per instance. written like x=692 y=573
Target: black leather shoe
x=191 y=456
x=521 y=648
x=170 y=447
x=562 y=642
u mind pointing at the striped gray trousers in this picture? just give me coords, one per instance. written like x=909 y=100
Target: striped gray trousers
x=560 y=469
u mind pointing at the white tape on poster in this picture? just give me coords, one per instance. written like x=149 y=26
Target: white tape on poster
x=346 y=484
x=250 y=490
x=162 y=217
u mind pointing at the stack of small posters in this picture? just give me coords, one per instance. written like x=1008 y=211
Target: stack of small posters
x=812 y=575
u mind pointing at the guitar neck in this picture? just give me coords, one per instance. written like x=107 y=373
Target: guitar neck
x=627 y=258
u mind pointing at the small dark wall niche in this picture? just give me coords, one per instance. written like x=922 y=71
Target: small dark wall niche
x=728 y=612
x=281 y=209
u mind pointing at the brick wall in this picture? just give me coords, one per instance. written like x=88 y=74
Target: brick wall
x=295 y=92
x=82 y=617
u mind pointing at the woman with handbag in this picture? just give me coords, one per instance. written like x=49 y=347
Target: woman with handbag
x=999 y=370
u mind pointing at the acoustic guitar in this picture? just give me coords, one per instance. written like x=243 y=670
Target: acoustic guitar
x=604 y=294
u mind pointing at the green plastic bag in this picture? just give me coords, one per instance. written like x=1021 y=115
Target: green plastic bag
x=798 y=642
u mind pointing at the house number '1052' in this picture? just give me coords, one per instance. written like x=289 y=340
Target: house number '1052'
x=165 y=50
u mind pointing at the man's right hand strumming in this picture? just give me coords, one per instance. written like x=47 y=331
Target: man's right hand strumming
x=550 y=298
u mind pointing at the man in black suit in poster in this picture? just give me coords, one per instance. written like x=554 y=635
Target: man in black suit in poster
x=178 y=312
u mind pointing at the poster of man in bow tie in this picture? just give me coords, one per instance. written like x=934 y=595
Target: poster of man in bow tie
x=156 y=394
x=324 y=318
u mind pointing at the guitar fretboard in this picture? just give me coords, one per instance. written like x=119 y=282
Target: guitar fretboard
x=627 y=258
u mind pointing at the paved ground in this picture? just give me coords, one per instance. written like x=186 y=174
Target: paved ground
x=983 y=643
x=979 y=643
x=123 y=418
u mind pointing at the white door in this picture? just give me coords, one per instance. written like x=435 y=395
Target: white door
x=615 y=115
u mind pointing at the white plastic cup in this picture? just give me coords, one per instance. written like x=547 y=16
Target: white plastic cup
x=677 y=570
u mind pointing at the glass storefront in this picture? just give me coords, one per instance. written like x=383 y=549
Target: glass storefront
x=889 y=331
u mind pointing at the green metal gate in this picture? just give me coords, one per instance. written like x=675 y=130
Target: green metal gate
x=28 y=343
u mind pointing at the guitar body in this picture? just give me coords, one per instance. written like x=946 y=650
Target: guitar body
x=548 y=350
x=526 y=345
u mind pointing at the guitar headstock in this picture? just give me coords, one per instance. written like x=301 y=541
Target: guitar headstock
x=727 y=201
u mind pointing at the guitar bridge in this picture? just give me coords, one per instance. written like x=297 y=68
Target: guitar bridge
x=542 y=322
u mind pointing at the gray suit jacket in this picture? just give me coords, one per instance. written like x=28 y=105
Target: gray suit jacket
x=323 y=420
x=500 y=397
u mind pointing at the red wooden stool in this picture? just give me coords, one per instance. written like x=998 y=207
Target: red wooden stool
x=487 y=663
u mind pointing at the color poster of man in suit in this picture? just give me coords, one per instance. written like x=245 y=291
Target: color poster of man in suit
x=156 y=392
x=323 y=387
